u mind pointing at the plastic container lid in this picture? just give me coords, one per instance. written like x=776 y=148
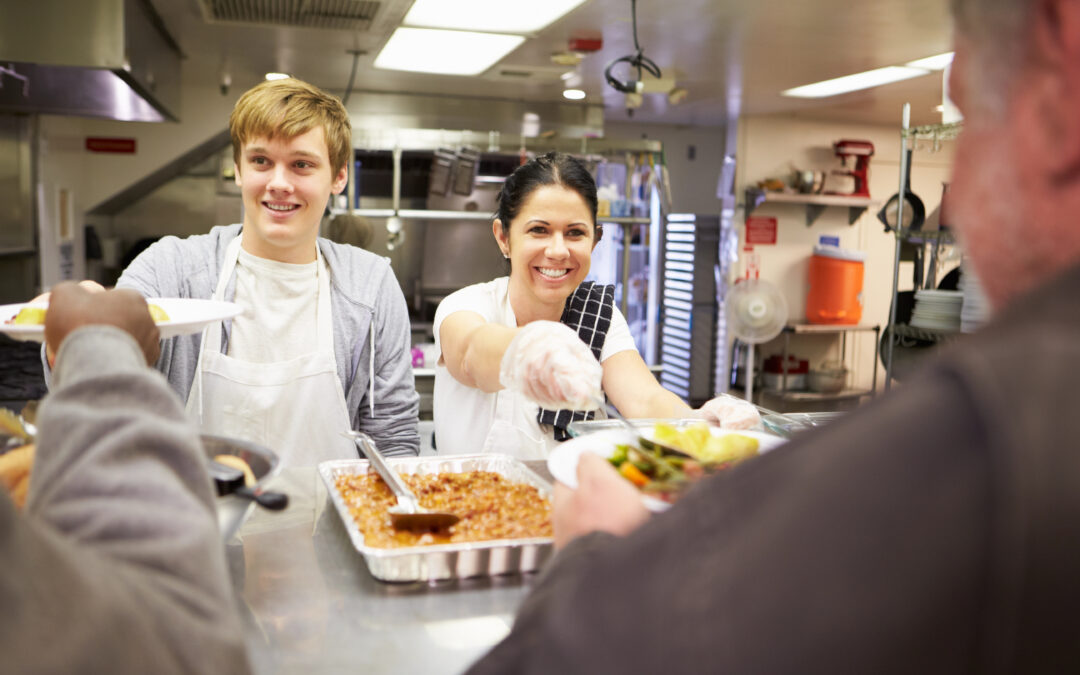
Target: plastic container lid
x=829 y=251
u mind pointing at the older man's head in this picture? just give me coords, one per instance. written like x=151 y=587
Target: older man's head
x=1016 y=78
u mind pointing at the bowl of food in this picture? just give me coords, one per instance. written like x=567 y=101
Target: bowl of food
x=258 y=465
x=663 y=476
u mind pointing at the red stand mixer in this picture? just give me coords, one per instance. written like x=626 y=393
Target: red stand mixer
x=861 y=151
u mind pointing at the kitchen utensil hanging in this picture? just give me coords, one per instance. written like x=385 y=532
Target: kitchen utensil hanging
x=914 y=209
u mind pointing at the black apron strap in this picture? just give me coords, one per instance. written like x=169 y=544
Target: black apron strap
x=588 y=311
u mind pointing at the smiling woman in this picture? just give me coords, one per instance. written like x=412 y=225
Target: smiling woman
x=522 y=356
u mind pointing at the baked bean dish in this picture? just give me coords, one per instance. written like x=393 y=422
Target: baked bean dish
x=490 y=507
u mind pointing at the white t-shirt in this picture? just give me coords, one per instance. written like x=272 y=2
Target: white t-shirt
x=280 y=302
x=463 y=414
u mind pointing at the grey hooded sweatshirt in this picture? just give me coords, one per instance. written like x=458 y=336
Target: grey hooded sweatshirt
x=368 y=309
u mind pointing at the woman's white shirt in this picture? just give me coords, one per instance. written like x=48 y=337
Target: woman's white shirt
x=464 y=415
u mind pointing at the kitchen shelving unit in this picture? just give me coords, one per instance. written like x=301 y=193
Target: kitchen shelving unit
x=925 y=137
x=815 y=203
x=822 y=329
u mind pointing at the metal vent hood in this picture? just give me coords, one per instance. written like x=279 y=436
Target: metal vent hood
x=93 y=58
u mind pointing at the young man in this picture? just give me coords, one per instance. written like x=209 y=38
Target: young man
x=323 y=344
x=935 y=530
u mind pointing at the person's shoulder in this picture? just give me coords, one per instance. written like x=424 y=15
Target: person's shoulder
x=358 y=275
x=217 y=238
x=481 y=298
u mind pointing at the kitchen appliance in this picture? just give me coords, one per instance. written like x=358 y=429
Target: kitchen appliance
x=861 y=151
x=756 y=312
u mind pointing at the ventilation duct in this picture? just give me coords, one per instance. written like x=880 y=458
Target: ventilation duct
x=92 y=58
x=353 y=15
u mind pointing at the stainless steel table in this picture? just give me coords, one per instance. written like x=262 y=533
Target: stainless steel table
x=311 y=606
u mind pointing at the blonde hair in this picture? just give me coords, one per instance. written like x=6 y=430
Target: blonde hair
x=287 y=108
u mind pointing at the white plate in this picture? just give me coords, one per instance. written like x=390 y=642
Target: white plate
x=562 y=462
x=186 y=316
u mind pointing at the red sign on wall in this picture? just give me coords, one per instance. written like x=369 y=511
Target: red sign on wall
x=760 y=230
x=124 y=146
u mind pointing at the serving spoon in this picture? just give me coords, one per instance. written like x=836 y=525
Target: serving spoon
x=645 y=443
x=407 y=514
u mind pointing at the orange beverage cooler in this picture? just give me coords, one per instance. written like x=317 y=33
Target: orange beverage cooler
x=835 y=282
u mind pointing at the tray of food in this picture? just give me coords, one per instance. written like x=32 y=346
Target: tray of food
x=662 y=476
x=505 y=511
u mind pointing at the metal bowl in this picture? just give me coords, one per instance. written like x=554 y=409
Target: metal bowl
x=791 y=423
x=232 y=510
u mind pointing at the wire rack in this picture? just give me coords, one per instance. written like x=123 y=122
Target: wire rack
x=929 y=137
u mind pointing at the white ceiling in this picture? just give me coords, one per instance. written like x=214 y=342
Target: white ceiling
x=710 y=46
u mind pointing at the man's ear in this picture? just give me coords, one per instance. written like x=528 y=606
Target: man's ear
x=1055 y=43
x=236 y=174
x=340 y=181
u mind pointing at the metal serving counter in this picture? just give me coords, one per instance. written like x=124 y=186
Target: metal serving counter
x=311 y=606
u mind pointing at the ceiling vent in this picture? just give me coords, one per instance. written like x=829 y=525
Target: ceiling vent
x=521 y=73
x=354 y=15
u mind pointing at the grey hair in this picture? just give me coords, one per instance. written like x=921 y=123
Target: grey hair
x=997 y=35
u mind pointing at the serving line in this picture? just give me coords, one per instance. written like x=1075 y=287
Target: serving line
x=310 y=605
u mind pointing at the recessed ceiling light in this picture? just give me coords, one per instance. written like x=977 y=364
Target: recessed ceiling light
x=277 y=76
x=445 y=52
x=573 y=94
x=495 y=16
x=938 y=62
x=865 y=80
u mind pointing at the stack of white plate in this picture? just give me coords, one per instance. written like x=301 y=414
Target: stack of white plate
x=937 y=310
x=976 y=308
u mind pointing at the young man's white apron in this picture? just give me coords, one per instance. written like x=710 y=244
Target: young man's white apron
x=295 y=407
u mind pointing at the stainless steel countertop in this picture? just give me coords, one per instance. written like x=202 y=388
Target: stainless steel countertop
x=311 y=606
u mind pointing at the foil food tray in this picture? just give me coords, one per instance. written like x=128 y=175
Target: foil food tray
x=443 y=561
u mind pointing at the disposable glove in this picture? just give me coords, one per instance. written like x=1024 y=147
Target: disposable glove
x=730 y=412
x=548 y=363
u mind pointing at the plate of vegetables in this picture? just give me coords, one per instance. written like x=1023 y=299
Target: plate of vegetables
x=662 y=476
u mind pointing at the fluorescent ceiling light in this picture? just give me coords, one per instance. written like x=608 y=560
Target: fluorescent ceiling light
x=277 y=76
x=939 y=62
x=446 y=52
x=573 y=94
x=842 y=85
x=494 y=16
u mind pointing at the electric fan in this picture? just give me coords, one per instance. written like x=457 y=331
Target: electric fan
x=756 y=312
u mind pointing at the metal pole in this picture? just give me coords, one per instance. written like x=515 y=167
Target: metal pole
x=906 y=124
x=628 y=235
